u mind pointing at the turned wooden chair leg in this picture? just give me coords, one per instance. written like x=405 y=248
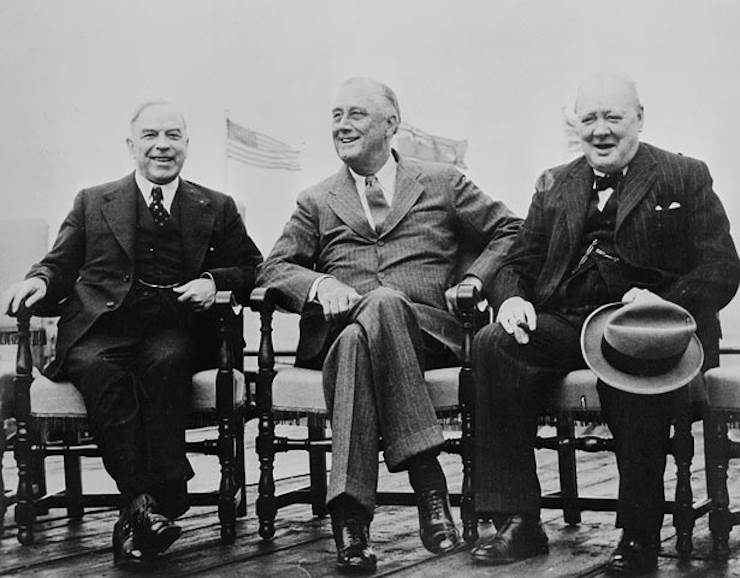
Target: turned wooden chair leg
x=567 y=470
x=718 y=457
x=683 y=452
x=266 y=504
x=241 y=470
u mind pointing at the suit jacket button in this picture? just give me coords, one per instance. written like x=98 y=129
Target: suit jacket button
x=381 y=243
x=381 y=275
x=110 y=304
x=126 y=277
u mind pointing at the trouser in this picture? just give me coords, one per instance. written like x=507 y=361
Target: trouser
x=374 y=386
x=511 y=380
x=134 y=371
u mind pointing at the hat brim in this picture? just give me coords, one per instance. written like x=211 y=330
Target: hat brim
x=682 y=373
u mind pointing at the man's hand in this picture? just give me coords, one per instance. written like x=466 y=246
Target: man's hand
x=335 y=297
x=31 y=290
x=636 y=295
x=451 y=293
x=517 y=317
x=200 y=293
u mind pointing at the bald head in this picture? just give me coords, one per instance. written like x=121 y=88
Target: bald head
x=365 y=116
x=609 y=119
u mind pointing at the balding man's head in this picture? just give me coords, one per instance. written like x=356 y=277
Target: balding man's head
x=609 y=119
x=365 y=116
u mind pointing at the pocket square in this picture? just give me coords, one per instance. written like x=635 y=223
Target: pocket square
x=674 y=205
x=658 y=208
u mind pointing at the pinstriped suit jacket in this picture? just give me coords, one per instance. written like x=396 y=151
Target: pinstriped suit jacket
x=670 y=226
x=437 y=214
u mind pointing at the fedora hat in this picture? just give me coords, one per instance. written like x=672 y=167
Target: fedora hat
x=645 y=347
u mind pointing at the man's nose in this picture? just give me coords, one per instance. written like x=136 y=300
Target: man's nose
x=341 y=122
x=601 y=127
x=162 y=142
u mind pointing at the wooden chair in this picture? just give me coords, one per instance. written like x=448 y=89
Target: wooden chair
x=29 y=243
x=286 y=391
x=575 y=400
x=723 y=401
x=52 y=421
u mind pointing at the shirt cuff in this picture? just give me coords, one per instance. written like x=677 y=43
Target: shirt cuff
x=314 y=289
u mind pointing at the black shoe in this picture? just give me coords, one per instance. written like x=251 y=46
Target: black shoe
x=634 y=556
x=436 y=528
x=518 y=538
x=154 y=533
x=351 y=536
x=126 y=553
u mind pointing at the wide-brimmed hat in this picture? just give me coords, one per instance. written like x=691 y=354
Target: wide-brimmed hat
x=645 y=347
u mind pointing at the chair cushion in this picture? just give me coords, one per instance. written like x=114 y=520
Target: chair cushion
x=723 y=387
x=204 y=390
x=577 y=392
x=61 y=399
x=299 y=390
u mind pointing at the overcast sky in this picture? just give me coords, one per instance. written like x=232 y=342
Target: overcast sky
x=494 y=72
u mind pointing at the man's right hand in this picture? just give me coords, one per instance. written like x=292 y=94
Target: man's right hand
x=335 y=297
x=517 y=317
x=31 y=290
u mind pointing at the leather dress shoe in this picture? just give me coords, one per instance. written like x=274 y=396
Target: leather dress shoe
x=634 y=556
x=354 y=554
x=126 y=553
x=154 y=532
x=436 y=528
x=520 y=537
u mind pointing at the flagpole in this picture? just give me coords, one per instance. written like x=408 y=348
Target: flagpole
x=226 y=150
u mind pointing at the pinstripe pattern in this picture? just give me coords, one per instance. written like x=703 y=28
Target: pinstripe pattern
x=671 y=225
x=373 y=379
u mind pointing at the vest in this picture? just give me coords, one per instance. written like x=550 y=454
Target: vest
x=158 y=251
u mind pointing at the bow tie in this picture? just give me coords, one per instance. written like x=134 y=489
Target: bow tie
x=609 y=181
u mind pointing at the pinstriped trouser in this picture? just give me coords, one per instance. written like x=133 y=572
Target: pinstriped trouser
x=374 y=387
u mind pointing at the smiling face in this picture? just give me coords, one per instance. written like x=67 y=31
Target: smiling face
x=610 y=119
x=158 y=142
x=363 y=122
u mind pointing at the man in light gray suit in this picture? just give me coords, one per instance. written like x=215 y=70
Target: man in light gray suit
x=370 y=260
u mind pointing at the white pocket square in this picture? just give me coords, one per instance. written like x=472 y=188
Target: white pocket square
x=674 y=205
x=658 y=208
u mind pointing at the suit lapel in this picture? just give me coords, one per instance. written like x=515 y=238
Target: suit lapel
x=119 y=211
x=576 y=195
x=197 y=218
x=637 y=182
x=408 y=191
x=345 y=202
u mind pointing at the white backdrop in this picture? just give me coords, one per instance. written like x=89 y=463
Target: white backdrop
x=495 y=72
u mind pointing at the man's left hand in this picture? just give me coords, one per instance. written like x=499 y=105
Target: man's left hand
x=451 y=293
x=200 y=293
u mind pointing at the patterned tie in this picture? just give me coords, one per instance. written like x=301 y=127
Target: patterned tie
x=156 y=208
x=379 y=207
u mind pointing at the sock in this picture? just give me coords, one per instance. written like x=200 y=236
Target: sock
x=425 y=473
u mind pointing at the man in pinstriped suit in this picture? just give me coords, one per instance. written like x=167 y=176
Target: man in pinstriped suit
x=626 y=221
x=369 y=258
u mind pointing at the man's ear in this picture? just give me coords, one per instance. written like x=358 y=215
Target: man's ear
x=130 y=145
x=393 y=124
x=640 y=118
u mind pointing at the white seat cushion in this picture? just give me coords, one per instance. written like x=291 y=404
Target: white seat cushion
x=723 y=387
x=61 y=399
x=295 y=389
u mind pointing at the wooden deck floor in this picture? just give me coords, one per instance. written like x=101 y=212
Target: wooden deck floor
x=303 y=545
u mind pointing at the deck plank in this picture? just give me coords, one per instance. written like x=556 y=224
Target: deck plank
x=303 y=545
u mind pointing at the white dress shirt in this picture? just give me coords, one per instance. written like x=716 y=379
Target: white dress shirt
x=168 y=190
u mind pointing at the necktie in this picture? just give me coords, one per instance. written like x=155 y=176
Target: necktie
x=156 y=208
x=379 y=207
x=608 y=181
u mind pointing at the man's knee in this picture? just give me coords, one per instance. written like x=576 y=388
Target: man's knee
x=491 y=340
x=386 y=301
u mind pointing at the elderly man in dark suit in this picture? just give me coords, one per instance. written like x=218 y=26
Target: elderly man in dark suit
x=134 y=261
x=625 y=221
x=369 y=259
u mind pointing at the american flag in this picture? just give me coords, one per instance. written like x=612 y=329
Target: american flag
x=257 y=149
x=414 y=143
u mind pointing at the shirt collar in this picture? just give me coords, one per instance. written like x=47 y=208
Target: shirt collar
x=602 y=173
x=386 y=178
x=168 y=189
